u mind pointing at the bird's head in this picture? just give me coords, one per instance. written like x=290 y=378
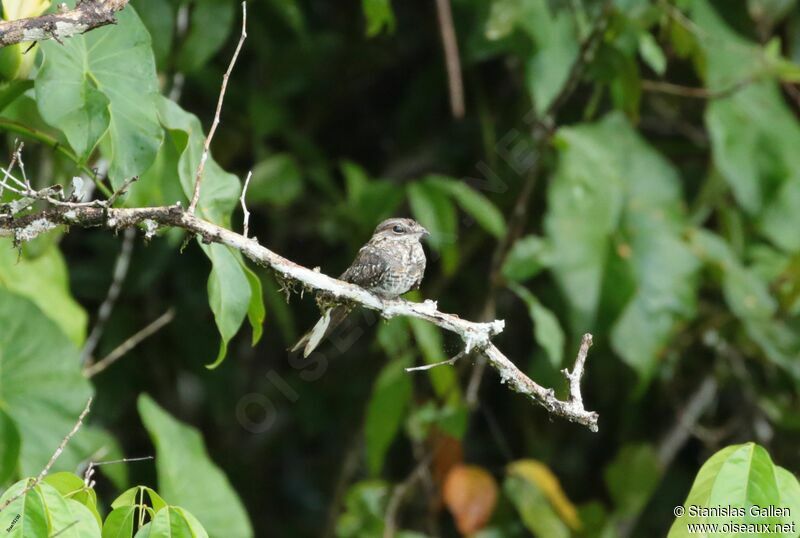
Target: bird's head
x=397 y=228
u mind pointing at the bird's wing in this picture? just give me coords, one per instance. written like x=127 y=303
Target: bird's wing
x=368 y=269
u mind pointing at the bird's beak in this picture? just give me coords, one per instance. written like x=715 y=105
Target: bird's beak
x=423 y=232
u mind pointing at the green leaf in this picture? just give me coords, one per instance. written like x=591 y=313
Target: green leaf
x=120 y=522
x=546 y=328
x=537 y=514
x=229 y=294
x=209 y=27
x=379 y=15
x=611 y=185
x=387 y=406
x=632 y=478
x=103 y=84
x=740 y=477
x=42 y=388
x=276 y=180
x=187 y=477
x=255 y=311
x=42 y=511
x=433 y=208
x=527 y=257
x=11 y=90
x=651 y=53
x=135 y=497
x=9 y=447
x=72 y=486
x=555 y=37
x=748 y=297
x=45 y=281
x=26 y=516
x=761 y=163
x=292 y=13
x=474 y=204
x=174 y=522
x=365 y=510
x=229 y=287
x=159 y=18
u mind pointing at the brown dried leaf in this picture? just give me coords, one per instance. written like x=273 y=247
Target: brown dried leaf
x=470 y=494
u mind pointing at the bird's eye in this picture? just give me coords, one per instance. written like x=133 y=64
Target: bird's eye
x=398 y=229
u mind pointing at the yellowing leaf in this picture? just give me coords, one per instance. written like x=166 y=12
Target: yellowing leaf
x=543 y=478
x=470 y=494
x=21 y=9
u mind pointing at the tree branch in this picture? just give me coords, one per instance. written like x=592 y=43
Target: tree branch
x=475 y=336
x=61 y=446
x=455 y=81
x=198 y=180
x=87 y=15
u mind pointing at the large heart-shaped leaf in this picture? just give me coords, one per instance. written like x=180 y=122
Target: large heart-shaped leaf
x=42 y=388
x=44 y=280
x=103 y=84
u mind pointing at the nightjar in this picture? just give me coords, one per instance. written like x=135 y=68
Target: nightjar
x=390 y=264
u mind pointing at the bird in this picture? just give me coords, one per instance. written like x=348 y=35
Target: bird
x=390 y=264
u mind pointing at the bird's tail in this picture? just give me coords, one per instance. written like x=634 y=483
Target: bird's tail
x=331 y=318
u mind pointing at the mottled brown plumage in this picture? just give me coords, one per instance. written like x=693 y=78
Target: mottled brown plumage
x=390 y=264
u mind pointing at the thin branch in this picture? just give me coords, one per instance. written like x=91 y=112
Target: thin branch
x=89 y=473
x=207 y=144
x=129 y=344
x=475 y=336
x=121 y=267
x=399 y=493
x=244 y=205
x=455 y=81
x=65 y=529
x=35 y=482
x=435 y=364
x=86 y=15
x=577 y=371
x=658 y=86
x=122 y=190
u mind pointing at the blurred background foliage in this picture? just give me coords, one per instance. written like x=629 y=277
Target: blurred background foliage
x=628 y=168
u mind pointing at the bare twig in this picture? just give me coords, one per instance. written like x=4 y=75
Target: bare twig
x=455 y=81
x=244 y=205
x=118 y=352
x=60 y=25
x=7 y=173
x=658 y=86
x=577 y=371
x=120 y=191
x=475 y=336
x=207 y=144
x=121 y=267
x=399 y=493
x=89 y=473
x=35 y=482
x=434 y=365
x=65 y=529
